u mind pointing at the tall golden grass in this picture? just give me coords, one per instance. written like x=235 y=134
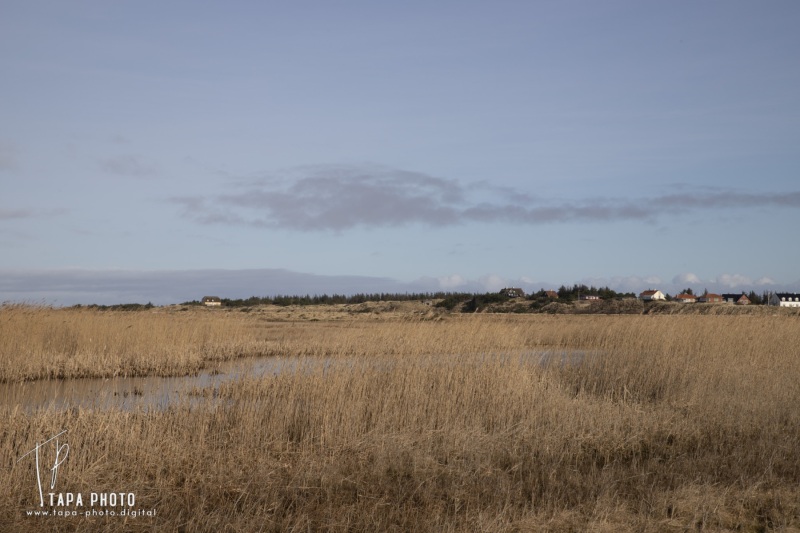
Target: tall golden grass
x=669 y=423
x=42 y=343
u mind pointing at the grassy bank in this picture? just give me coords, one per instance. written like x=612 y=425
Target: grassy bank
x=674 y=423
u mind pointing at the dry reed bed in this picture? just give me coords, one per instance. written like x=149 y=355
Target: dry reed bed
x=678 y=423
x=42 y=343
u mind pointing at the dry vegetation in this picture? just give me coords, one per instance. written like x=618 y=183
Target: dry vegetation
x=413 y=421
x=45 y=343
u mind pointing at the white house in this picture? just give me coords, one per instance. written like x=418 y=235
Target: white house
x=212 y=301
x=651 y=296
x=784 y=299
x=686 y=298
x=513 y=292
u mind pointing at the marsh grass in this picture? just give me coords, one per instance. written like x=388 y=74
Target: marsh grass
x=673 y=423
x=46 y=343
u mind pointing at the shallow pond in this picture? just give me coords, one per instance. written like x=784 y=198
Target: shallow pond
x=130 y=393
x=152 y=392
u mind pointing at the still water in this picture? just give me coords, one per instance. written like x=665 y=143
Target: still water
x=151 y=392
x=131 y=393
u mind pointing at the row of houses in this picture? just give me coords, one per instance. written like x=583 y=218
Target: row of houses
x=780 y=299
x=710 y=297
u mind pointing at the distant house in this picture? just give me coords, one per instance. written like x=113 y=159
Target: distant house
x=551 y=294
x=737 y=299
x=588 y=297
x=211 y=301
x=784 y=299
x=513 y=292
x=710 y=298
x=651 y=295
x=686 y=298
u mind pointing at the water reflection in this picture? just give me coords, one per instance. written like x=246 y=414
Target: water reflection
x=131 y=393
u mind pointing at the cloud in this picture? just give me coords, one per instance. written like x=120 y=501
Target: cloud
x=451 y=282
x=686 y=277
x=724 y=282
x=342 y=197
x=127 y=165
x=493 y=282
x=732 y=280
x=721 y=282
x=678 y=203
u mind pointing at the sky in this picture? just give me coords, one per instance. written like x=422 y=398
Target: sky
x=163 y=151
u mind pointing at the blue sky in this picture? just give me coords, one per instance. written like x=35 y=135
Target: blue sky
x=254 y=148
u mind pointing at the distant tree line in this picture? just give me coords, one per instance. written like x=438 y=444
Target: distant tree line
x=116 y=307
x=325 y=299
x=470 y=302
x=568 y=294
x=463 y=301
